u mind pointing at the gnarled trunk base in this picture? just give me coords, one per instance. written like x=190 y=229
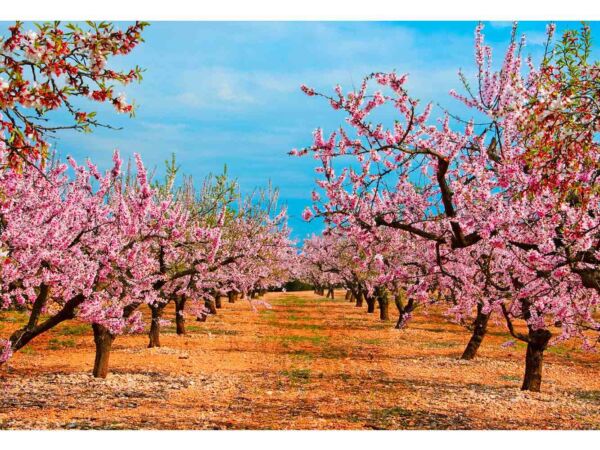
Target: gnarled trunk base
x=479 y=330
x=538 y=342
x=21 y=337
x=370 y=304
x=359 y=298
x=103 y=340
x=154 y=334
x=383 y=308
x=404 y=312
x=210 y=305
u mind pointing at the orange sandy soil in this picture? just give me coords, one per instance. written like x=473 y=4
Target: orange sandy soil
x=308 y=363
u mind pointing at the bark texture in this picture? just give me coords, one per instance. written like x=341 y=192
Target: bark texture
x=103 y=340
x=534 y=359
x=479 y=330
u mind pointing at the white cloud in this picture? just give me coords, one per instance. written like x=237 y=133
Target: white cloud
x=535 y=38
x=501 y=24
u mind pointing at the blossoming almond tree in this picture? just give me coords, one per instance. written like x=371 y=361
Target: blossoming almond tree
x=70 y=249
x=54 y=68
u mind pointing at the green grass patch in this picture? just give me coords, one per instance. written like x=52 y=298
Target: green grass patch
x=433 y=330
x=295 y=318
x=334 y=353
x=345 y=377
x=440 y=344
x=302 y=355
x=560 y=350
x=315 y=340
x=296 y=301
x=197 y=329
x=219 y=332
x=57 y=344
x=13 y=318
x=28 y=351
x=371 y=341
x=297 y=375
x=511 y=378
x=593 y=396
x=74 y=330
x=269 y=315
x=172 y=329
x=520 y=345
x=301 y=326
x=384 y=417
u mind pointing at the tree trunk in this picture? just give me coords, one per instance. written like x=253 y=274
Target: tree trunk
x=538 y=341
x=154 y=334
x=218 y=301
x=479 y=330
x=330 y=293
x=210 y=305
x=103 y=340
x=231 y=297
x=404 y=311
x=370 y=303
x=22 y=336
x=358 y=295
x=383 y=307
x=348 y=295
x=180 y=315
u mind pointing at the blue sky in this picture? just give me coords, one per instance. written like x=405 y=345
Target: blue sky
x=220 y=93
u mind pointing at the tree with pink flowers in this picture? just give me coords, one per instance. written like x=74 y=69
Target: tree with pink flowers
x=98 y=254
x=50 y=69
x=504 y=237
x=73 y=250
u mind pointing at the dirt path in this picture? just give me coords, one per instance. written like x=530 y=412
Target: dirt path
x=306 y=363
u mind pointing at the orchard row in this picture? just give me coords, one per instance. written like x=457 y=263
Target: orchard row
x=95 y=245
x=496 y=213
